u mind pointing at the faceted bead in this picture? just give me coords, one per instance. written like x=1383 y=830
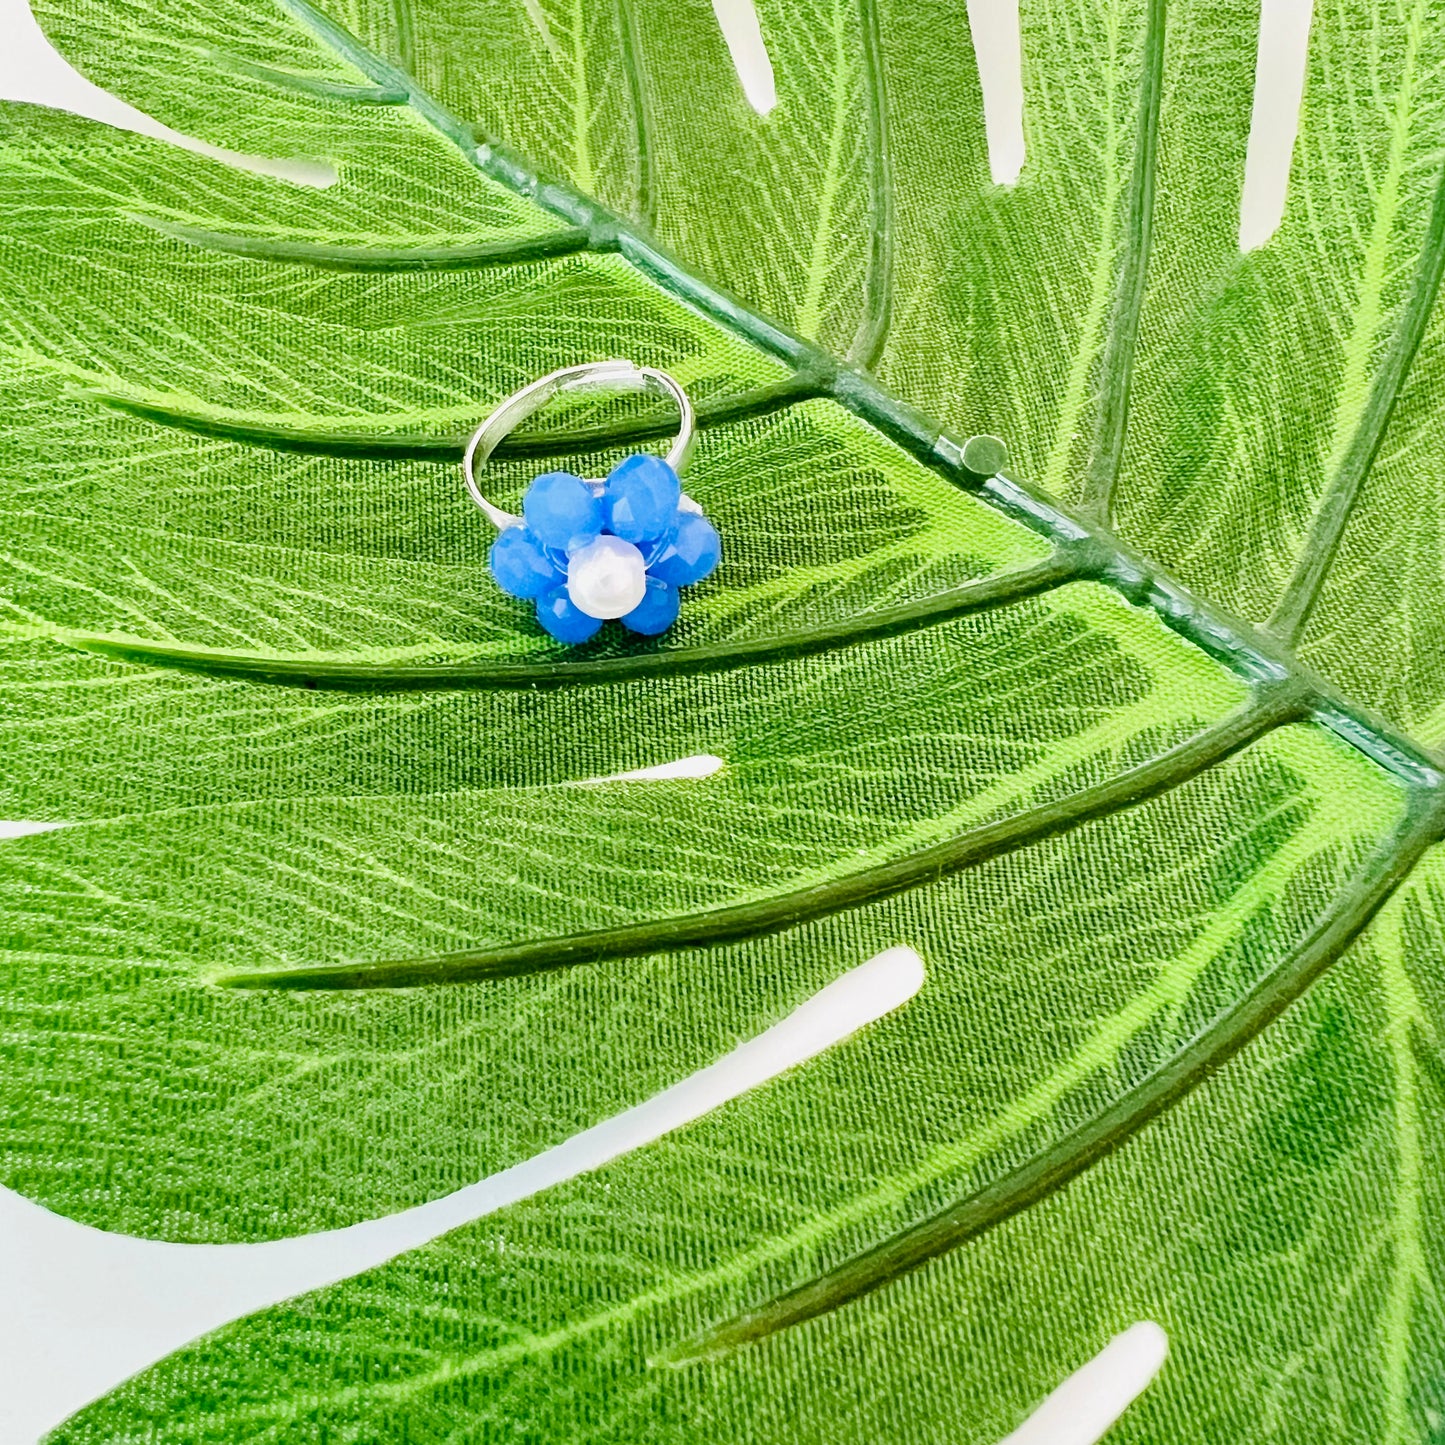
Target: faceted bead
x=606 y=578
x=693 y=554
x=652 y=551
x=520 y=565
x=562 y=510
x=558 y=616
x=641 y=496
x=656 y=612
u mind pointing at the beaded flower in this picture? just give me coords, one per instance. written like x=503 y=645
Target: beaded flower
x=586 y=552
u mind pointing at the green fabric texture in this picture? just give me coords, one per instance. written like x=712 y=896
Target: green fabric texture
x=1167 y=848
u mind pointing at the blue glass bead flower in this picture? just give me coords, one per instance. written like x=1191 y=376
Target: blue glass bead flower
x=640 y=498
x=587 y=552
x=562 y=510
x=691 y=553
x=563 y=619
x=522 y=565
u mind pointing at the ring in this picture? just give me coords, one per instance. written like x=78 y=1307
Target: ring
x=586 y=551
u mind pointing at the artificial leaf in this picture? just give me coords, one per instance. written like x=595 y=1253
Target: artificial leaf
x=352 y=900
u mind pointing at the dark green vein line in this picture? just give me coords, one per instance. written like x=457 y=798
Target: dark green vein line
x=630 y=46
x=758 y=401
x=1317 y=556
x=872 y=331
x=1048 y=1172
x=404 y=33
x=309 y=85
x=346 y=674
x=1271 y=705
x=1111 y=429
x=404 y=446
x=332 y=257
x=1429 y=1058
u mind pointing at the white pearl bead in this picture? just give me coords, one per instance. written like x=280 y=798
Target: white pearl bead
x=606 y=578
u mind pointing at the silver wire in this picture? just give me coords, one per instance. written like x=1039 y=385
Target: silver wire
x=608 y=375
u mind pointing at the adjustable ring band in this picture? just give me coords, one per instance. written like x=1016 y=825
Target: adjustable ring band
x=586 y=552
x=599 y=375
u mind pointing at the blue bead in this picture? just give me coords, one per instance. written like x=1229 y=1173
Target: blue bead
x=565 y=621
x=520 y=565
x=641 y=496
x=693 y=554
x=656 y=612
x=562 y=510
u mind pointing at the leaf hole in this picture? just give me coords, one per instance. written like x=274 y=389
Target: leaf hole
x=738 y=21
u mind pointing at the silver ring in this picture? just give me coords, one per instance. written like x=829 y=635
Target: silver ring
x=607 y=375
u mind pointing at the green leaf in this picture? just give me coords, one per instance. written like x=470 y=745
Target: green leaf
x=559 y=1304
x=350 y=907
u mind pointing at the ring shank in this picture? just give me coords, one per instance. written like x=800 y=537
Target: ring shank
x=601 y=375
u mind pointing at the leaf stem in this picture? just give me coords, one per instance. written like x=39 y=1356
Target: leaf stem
x=1318 y=553
x=1272 y=705
x=346 y=674
x=1076 y=1151
x=332 y=257
x=872 y=332
x=1116 y=364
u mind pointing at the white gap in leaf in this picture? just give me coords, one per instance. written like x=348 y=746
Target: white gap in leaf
x=994 y=25
x=84 y=1309
x=32 y=70
x=738 y=20
x=1085 y=1407
x=699 y=765
x=1279 y=80
x=23 y=829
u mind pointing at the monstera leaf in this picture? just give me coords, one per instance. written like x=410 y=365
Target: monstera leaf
x=1164 y=846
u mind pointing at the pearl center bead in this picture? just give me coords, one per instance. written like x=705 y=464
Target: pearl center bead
x=606 y=578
